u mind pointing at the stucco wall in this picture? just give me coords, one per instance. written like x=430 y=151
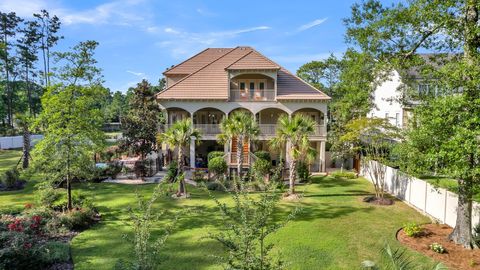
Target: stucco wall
x=384 y=103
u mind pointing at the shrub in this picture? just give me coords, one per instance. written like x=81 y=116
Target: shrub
x=171 y=172
x=11 y=178
x=438 y=248
x=46 y=195
x=77 y=219
x=413 y=229
x=263 y=155
x=303 y=172
x=214 y=154
x=113 y=169
x=217 y=186
x=343 y=174
x=261 y=168
x=55 y=252
x=217 y=166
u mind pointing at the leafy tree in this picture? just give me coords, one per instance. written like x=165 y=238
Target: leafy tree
x=372 y=137
x=395 y=34
x=8 y=27
x=141 y=123
x=70 y=119
x=444 y=142
x=294 y=131
x=324 y=74
x=27 y=51
x=180 y=136
x=116 y=107
x=246 y=225
x=49 y=26
x=241 y=127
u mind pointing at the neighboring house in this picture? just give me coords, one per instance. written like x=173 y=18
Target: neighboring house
x=218 y=81
x=388 y=101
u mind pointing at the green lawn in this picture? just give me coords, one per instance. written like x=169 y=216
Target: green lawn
x=335 y=231
x=8 y=159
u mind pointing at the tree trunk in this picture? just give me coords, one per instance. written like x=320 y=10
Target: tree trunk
x=182 y=188
x=292 y=176
x=462 y=233
x=26 y=146
x=239 y=156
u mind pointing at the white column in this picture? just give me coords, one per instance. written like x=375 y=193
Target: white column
x=322 y=156
x=192 y=153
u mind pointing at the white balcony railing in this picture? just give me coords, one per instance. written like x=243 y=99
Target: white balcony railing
x=208 y=129
x=265 y=129
x=252 y=95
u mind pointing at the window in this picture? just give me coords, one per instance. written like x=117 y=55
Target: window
x=397 y=119
x=252 y=89
x=242 y=86
x=261 y=85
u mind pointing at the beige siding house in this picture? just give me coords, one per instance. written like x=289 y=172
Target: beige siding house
x=218 y=81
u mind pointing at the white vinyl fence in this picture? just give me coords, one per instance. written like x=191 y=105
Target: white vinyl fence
x=438 y=203
x=17 y=141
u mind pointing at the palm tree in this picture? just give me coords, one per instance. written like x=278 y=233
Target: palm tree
x=242 y=126
x=23 y=121
x=295 y=130
x=180 y=135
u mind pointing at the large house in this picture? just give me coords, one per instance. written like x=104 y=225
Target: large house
x=218 y=81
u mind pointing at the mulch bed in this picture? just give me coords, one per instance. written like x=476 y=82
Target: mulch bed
x=379 y=201
x=456 y=256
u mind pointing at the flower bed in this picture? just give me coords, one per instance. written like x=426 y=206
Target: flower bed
x=434 y=243
x=38 y=238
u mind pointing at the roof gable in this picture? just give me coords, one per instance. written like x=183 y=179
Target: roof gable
x=253 y=60
x=197 y=61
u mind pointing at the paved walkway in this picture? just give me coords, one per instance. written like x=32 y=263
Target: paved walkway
x=132 y=180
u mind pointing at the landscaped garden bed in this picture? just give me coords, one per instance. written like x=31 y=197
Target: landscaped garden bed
x=432 y=240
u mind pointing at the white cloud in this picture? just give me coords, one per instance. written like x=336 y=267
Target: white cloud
x=124 y=12
x=184 y=43
x=138 y=74
x=302 y=58
x=23 y=8
x=311 y=24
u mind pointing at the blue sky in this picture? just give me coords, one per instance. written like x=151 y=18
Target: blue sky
x=141 y=38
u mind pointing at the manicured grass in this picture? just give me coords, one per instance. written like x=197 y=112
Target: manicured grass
x=336 y=230
x=8 y=159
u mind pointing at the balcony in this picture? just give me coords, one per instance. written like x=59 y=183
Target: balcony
x=252 y=95
x=271 y=129
x=208 y=129
x=266 y=130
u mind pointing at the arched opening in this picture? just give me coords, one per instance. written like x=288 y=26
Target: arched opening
x=175 y=114
x=207 y=120
x=267 y=120
x=252 y=87
x=314 y=114
x=240 y=110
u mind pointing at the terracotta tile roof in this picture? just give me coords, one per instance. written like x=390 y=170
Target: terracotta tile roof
x=253 y=60
x=292 y=87
x=197 y=61
x=209 y=82
x=208 y=78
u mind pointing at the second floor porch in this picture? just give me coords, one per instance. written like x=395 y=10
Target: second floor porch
x=208 y=120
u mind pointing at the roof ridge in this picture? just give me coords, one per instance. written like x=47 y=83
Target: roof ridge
x=268 y=59
x=175 y=66
x=239 y=59
x=191 y=74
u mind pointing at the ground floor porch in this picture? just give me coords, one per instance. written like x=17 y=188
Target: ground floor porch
x=197 y=153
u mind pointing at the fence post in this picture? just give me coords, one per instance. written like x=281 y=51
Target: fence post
x=426 y=192
x=445 y=208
